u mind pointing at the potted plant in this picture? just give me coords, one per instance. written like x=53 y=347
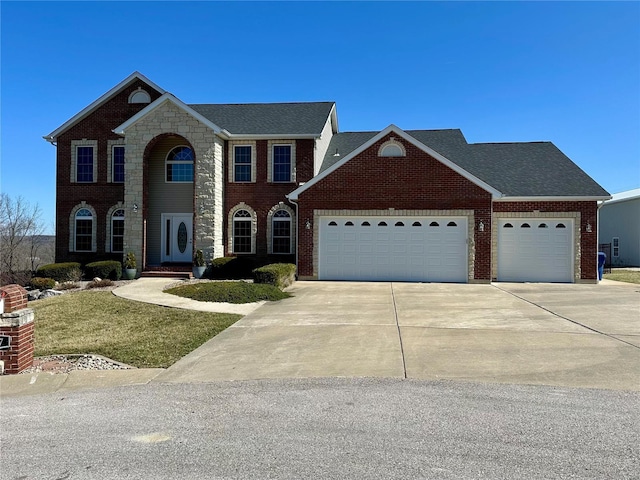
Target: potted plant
x=130 y=268
x=199 y=265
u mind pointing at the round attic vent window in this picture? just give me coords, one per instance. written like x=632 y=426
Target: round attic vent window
x=139 y=96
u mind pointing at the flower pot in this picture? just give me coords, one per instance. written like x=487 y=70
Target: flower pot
x=130 y=273
x=199 y=271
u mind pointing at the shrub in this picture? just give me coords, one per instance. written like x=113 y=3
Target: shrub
x=130 y=261
x=20 y=278
x=279 y=275
x=110 y=269
x=230 y=268
x=99 y=284
x=198 y=259
x=42 y=283
x=67 y=286
x=230 y=292
x=61 y=272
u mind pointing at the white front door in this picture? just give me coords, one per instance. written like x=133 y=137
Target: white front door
x=177 y=237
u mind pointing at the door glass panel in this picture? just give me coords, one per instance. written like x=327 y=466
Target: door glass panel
x=182 y=237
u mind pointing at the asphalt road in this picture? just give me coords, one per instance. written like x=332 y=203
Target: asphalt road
x=322 y=429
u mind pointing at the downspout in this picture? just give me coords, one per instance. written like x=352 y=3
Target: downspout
x=297 y=232
x=600 y=204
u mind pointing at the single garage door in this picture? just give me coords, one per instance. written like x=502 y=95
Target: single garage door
x=535 y=250
x=414 y=249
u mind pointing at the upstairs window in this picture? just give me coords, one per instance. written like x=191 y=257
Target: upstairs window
x=118 y=164
x=179 y=165
x=242 y=163
x=84 y=164
x=83 y=230
x=281 y=163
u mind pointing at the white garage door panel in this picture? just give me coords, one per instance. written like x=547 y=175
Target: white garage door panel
x=393 y=249
x=535 y=250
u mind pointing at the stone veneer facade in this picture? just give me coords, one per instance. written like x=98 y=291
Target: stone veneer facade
x=208 y=201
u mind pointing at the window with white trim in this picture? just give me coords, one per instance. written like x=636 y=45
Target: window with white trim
x=117 y=231
x=83 y=230
x=242 y=163
x=179 y=165
x=615 y=247
x=242 y=232
x=282 y=163
x=281 y=232
x=117 y=163
x=84 y=163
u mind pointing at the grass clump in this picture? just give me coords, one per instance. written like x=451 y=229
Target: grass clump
x=229 y=292
x=105 y=282
x=629 y=276
x=135 y=333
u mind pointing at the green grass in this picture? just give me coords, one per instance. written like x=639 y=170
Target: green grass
x=629 y=276
x=138 y=334
x=230 y=292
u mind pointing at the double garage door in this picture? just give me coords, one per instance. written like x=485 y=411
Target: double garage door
x=535 y=250
x=414 y=249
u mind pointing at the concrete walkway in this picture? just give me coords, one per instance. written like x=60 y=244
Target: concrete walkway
x=548 y=334
x=150 y=290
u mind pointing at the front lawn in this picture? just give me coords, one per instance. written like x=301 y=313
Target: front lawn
x=230 y=292
x=135 y=333
x=629 y=276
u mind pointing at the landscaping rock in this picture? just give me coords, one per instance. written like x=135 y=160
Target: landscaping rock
x=49 y=293
x=33 y=295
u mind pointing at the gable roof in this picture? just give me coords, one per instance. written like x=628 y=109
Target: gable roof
x=535 y=169
x=305 y=119
x=90 y=108
x=516 y=170
x=167 y=97
x=352 y=138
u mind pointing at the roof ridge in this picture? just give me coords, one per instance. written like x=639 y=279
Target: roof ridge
x=267 y=103
x=511 y=143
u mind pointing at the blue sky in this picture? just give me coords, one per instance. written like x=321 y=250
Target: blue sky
x=566 y=72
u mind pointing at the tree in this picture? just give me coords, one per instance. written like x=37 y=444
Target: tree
x=21 y=236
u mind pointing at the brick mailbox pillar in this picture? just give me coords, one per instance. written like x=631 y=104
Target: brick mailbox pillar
x=16 y=329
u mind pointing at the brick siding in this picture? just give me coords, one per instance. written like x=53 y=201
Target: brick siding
x=102 y=194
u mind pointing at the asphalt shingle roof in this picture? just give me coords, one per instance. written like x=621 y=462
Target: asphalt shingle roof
x=527 y=169
x=307 y=118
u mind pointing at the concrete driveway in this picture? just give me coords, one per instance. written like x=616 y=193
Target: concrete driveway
x=552 y=334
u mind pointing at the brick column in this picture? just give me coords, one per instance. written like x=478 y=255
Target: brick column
x=16 y=330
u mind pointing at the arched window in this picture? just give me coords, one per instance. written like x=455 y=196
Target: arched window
x=117 y=231
x=179 y=165
x=139 y=96
x=242 y=232
x=281 y=232
x=83 y=231
x=434 y=224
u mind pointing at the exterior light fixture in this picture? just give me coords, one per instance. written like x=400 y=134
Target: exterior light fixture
x=588 y=228
x=307 y=224
x=135 y=208
x=481 y=226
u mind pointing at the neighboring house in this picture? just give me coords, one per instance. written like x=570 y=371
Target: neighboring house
x=139 y=170
x=620 y=227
